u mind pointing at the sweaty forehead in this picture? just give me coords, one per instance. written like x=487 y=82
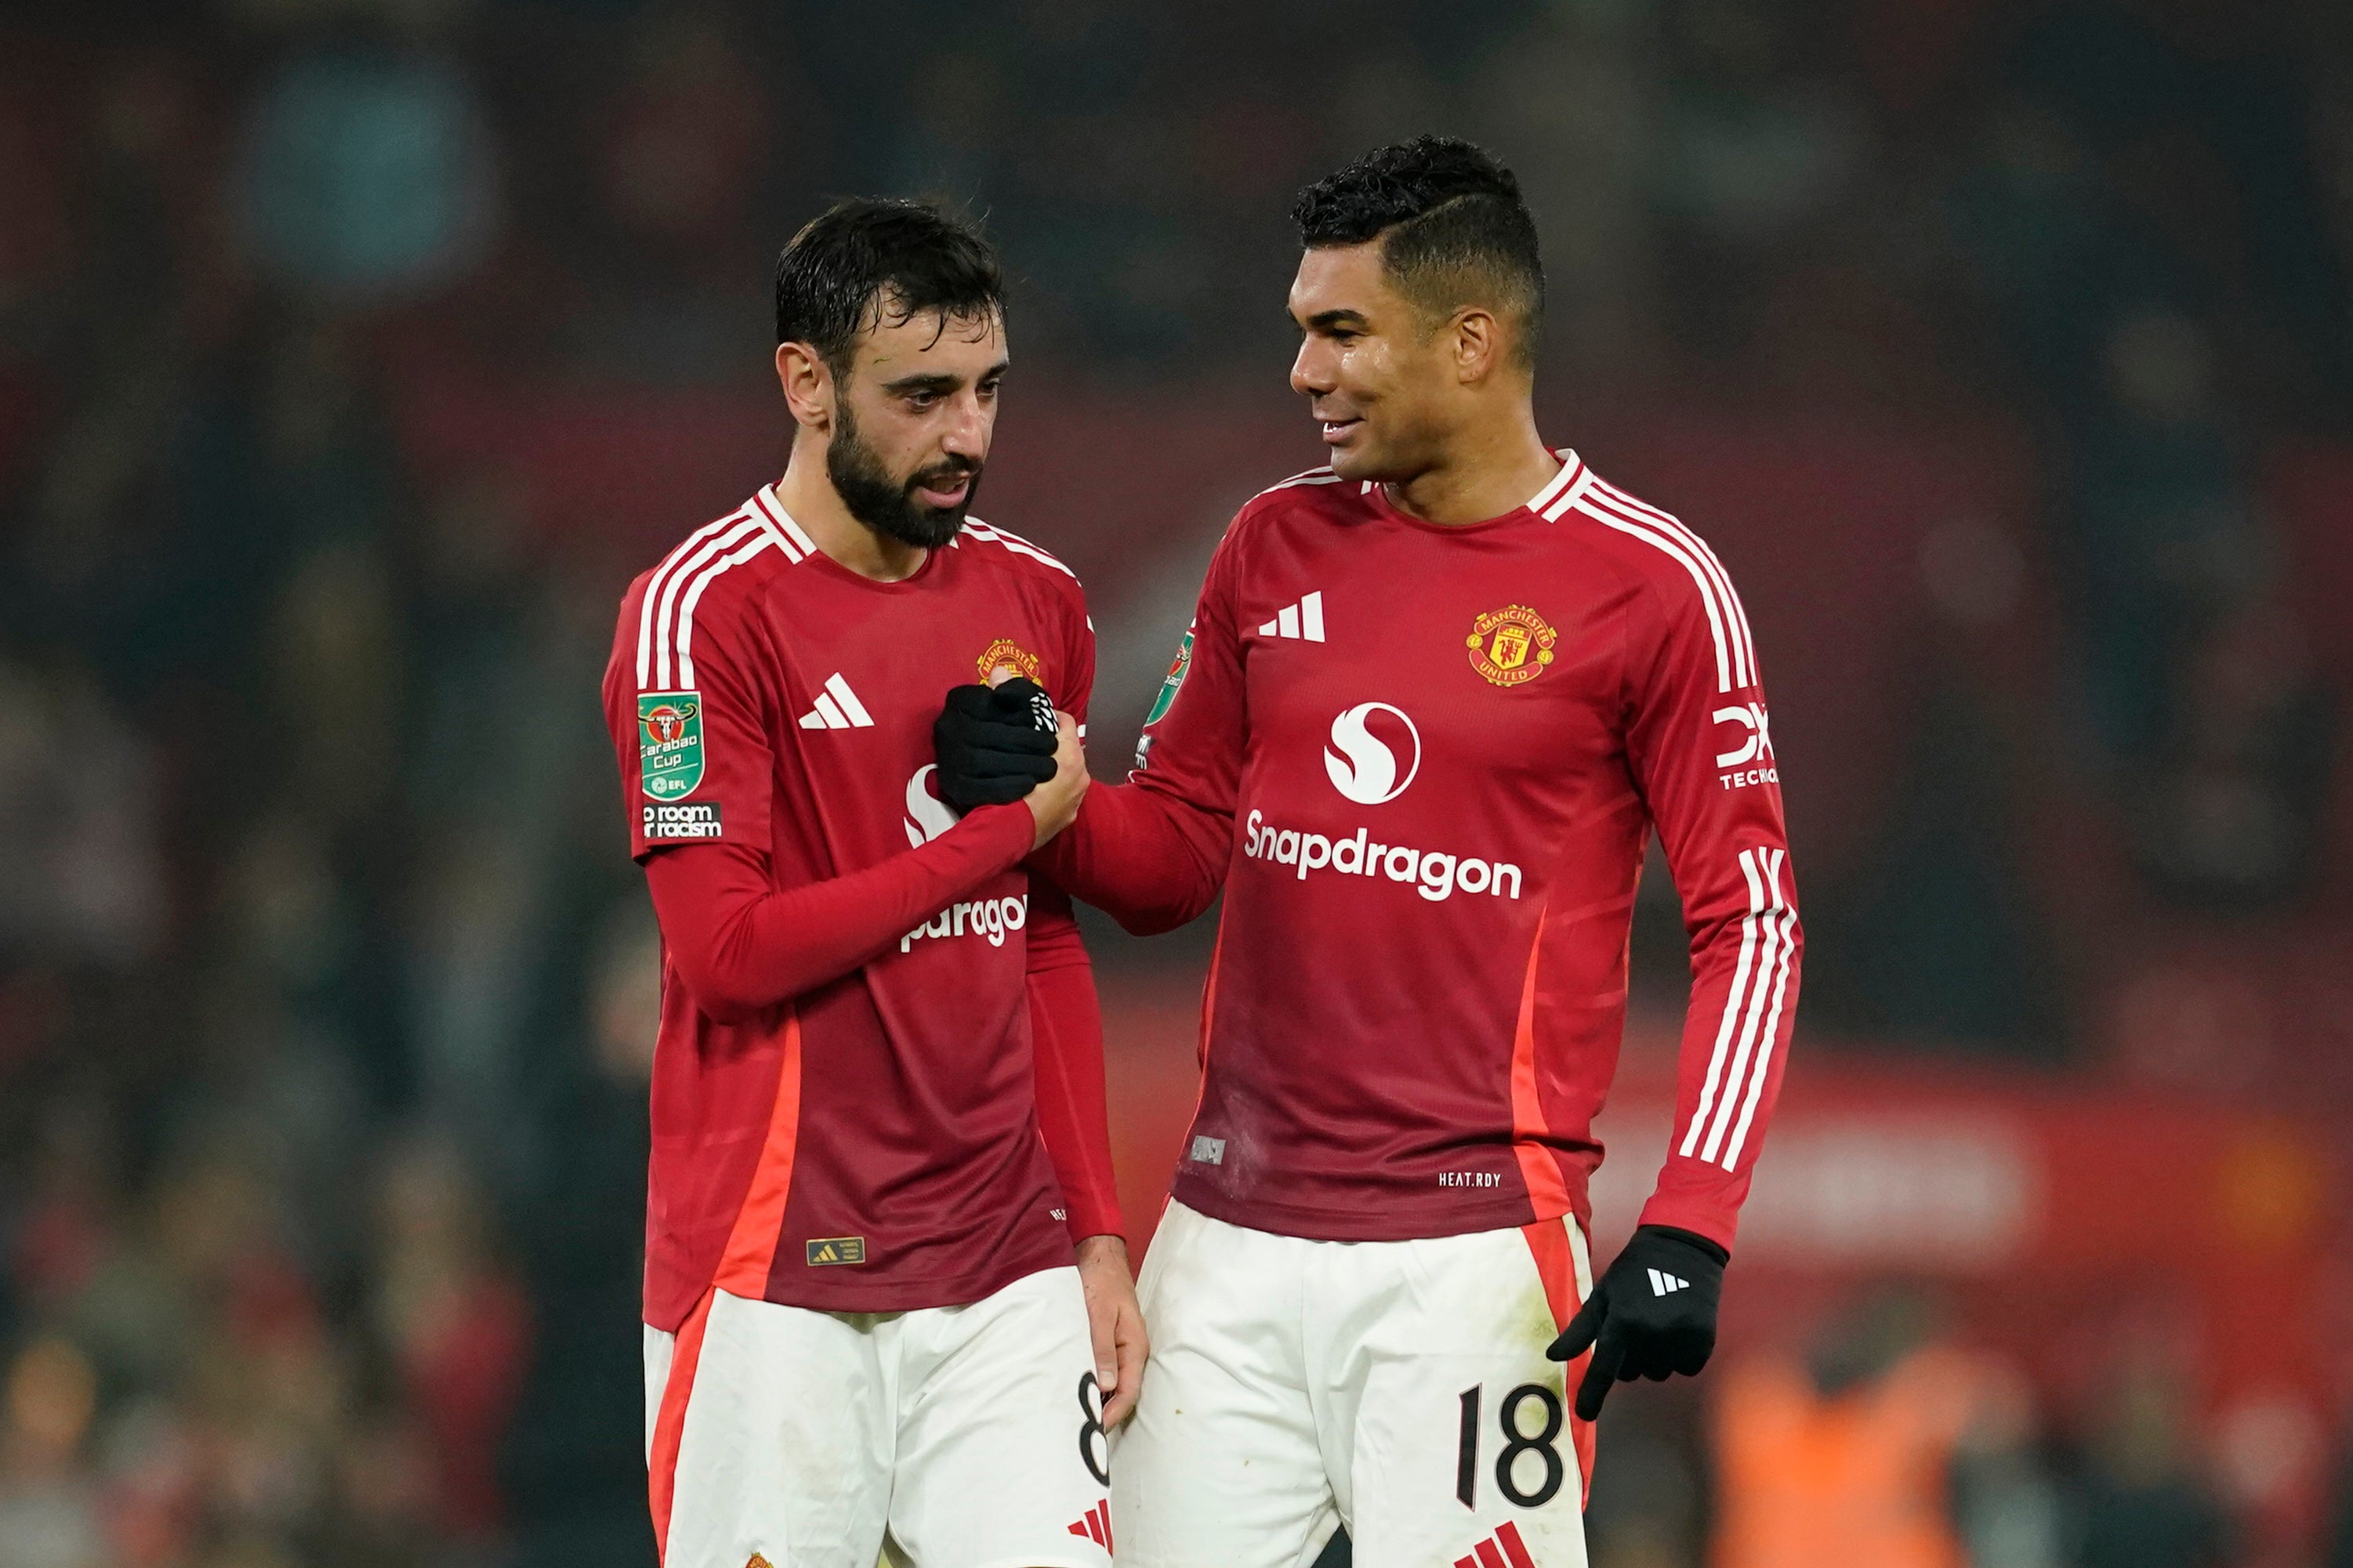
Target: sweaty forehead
x=1349 y=278
x=899 y=343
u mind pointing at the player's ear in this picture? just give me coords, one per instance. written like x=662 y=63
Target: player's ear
x=1478 y=341
x=808 y=383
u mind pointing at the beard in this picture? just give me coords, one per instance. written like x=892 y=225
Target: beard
x=888 y=505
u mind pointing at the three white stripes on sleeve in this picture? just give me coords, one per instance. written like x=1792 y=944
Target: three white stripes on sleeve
x=1744 y=1041
x=666 y=619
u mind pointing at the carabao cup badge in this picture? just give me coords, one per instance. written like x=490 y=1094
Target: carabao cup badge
x=670 y=743
x=1511 y=647
x=1173 y=681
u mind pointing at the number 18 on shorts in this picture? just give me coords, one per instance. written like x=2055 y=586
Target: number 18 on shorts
x=1398 y=1387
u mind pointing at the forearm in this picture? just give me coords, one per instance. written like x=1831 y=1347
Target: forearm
x=1147 y=859
x=742 y=945
x=1699 y=746
x=1743 y=1005
x=1067 y=1047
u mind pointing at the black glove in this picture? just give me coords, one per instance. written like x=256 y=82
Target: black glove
x=995 y=744
x=1653 y=1314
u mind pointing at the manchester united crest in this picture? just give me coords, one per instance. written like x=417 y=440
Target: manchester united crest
x=1511 y=647
x=1008 y=655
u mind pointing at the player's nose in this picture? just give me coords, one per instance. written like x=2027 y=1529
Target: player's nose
x=1310 y=369
x=966 y=435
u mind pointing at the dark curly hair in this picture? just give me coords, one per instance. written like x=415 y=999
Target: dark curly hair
x=1452 y=229
x=868 y=260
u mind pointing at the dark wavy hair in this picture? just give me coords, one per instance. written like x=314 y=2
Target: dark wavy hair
x=1452 y=229
x=870 y=261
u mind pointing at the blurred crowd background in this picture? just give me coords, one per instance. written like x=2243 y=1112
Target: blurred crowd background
x=354 y=354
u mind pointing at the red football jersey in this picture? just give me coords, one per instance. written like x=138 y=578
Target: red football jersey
x=871 y=1144
x=1424 y=761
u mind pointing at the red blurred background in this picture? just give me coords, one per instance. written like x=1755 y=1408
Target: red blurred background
x=354 y=354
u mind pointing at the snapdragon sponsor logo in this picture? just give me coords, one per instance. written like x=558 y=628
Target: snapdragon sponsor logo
x=1363 y=767
x=1435 y=875
x=928 y=815
x=994 y=919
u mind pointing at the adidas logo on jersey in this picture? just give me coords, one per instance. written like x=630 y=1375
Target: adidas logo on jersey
x=1666 y=1284
x=1096 y=1525
x=837 y=708
x=1303 y=621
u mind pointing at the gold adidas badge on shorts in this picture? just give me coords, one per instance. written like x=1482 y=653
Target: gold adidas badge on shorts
x=1511 y=647
x=828 y=1250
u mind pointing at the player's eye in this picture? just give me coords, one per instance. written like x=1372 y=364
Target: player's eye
x=920 y=401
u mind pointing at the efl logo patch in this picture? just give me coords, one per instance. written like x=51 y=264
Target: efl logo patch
x=830 y=1250
x=669 y=743
x=681 y=824
x=1008 y=655
x=1512 y=646
x=1207 y=1150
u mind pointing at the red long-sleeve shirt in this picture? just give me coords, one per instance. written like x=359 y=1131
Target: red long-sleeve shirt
x=1422 y=763
x=741 y=947
x=872 y=1089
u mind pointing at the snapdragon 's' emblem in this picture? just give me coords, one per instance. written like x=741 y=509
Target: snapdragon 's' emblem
x=1006 y=656
x=669 y=743
x=1512 y=646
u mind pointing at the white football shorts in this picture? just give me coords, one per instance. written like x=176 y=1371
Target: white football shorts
x=946 y=1437
x=1399 y=1388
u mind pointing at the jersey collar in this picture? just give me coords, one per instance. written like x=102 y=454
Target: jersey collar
x=1557 y=494
x=1560 y=492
